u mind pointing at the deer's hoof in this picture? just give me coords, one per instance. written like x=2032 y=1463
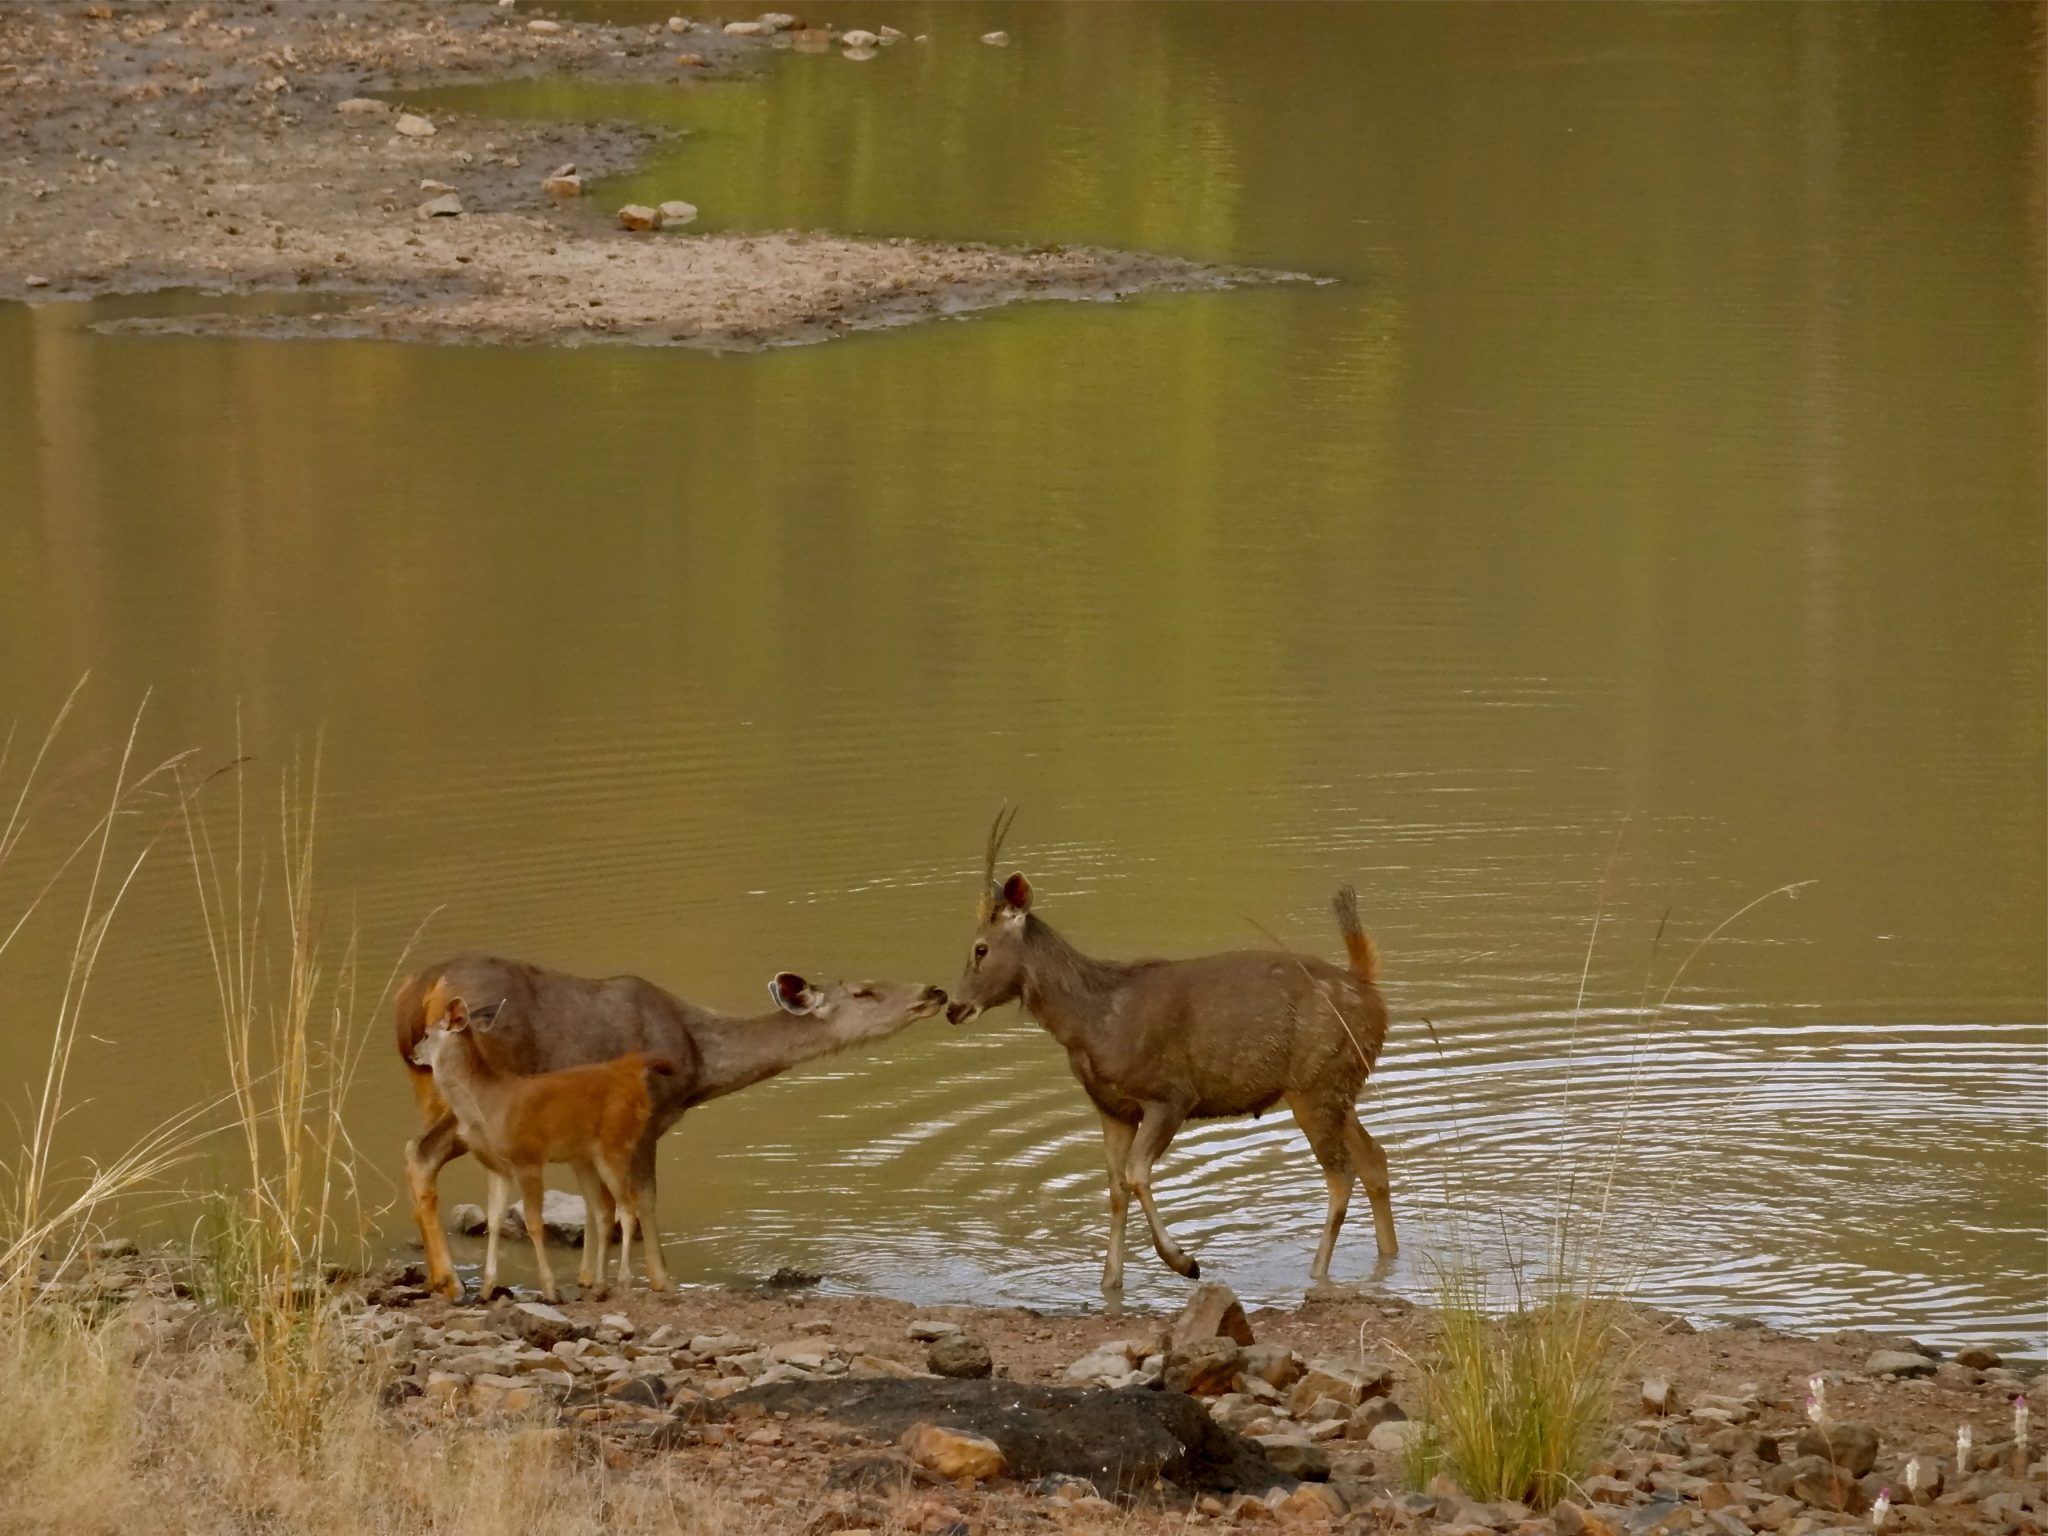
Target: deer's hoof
x=1193 y=1271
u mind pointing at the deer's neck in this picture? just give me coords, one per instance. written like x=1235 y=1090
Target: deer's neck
x=1067 y=992
x=467 y=1084
x=737 y=1053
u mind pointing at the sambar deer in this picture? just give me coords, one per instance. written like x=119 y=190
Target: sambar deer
x=527 y=1019
x=592 y=1117
x=1155 y=1043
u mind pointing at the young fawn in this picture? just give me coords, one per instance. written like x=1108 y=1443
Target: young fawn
x=592 y=1117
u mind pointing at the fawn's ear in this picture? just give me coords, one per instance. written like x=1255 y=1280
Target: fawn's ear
x=1017 y=894
x=793 y=994
x=458 y=1016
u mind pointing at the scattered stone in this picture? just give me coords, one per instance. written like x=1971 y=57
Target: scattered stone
x=675 y=213
x=1394 y=1437
x=1898 y=1362
x=541 y=1325
x=1370 y=1415
x=959 y=1356
x=1977 y=1358
x=1849 y=1445
x=1350 y=1384
x=743 y=29
x=678 y=24
x=35 y=280
x=777 y=21
x=1201 y=1367
x=563 y=186
x=996 y=39
x=858 y=38
x=1657 y=1395
x=639 y=217
x=1212 y=1311
x=952 y=1453
x=1316 y=1503
x=925 y=1329
x=114 y=1248
x=541 y=25
x=1602 y=1489
x=1573 y=1519
x=1817 y=1481
x=1274 y=1364
x=364 y=106
x=891 y=35
x=446 y=206
x=413 y=126
x=1294 y=1455
x=1106 y=1365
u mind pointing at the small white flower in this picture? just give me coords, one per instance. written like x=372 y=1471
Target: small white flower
x=1817 y=1384
x=1913 y=1475
x=1962 y=1449
x=1814 y=1409
x=1880 y=1509
x=2019 y=1421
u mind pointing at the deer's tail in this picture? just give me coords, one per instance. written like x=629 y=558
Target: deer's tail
x=1358 y=944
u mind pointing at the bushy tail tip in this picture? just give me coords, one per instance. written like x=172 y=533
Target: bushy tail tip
x=1365 y=956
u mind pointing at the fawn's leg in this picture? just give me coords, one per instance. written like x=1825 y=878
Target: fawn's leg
x=534 y=1193
x=1116 y=1147
x=597 y=1228
x=1153 y=1135
x=617 y=1174
x=495 y=1203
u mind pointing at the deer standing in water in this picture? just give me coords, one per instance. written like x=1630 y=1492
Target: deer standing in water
x=1155 y=1043
x=593 y=1117
x=524 y=1019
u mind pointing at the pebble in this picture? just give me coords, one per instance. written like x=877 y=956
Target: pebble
x=447 y=206
x=544 y=27
x=996 y=39
x=858 y=38
x=364 y=106
x=563 y=186
x=957 y=1355
x=743 y=29
x=678 y=24
x=672 y=214
x=638 y=216
x=949 y=1453
x=413 y=126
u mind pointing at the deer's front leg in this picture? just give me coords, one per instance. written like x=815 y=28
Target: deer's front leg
x=425 y=1157
x=1154 y=1134
x=1116 y=1147
x=495 y=1203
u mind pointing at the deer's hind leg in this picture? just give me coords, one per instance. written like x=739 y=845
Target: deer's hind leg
x=1116 y=1146
x=643 y=1200
x=1324 y=1124
x=496 y=1199
x=437 y=1145
x=534 y=1193
x=1370 y=1161
x=1155 y=1132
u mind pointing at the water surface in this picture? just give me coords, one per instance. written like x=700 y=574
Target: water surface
x=1649 y=514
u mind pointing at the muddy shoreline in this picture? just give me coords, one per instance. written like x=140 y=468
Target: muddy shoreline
x=156 y=145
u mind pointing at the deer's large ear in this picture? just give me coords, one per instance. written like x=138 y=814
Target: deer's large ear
x=793 y=994
x=458 y=1016
x=1017 y=893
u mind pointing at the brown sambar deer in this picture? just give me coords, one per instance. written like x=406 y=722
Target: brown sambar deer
x=1156 y=1043
x=527 y=1019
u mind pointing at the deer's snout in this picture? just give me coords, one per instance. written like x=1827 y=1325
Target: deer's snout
x=961 y=1012
x=931 y=1001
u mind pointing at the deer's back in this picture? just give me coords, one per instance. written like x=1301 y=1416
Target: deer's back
x=575 y=1111
x=549 y=1020
x=1230 y=1034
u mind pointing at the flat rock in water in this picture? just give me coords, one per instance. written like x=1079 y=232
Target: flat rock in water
x=996 y=39
x=1977 y=1358
x=674 y=213
x=567 y=186
x=639 y=217
x=1121 y=1441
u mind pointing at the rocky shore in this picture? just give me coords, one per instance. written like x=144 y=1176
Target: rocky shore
x=842 y=1413
x=243 y=147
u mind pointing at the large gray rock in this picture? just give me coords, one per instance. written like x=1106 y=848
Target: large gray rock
x=541 y=1325
x=1121 y=1441
x=1898 y=1362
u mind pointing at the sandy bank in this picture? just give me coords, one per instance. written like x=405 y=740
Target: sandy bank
x=182 y=145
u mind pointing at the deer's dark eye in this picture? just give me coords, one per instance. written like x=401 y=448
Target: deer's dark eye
x=980 y=950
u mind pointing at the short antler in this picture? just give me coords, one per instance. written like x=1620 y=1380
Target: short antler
x=997 y=833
